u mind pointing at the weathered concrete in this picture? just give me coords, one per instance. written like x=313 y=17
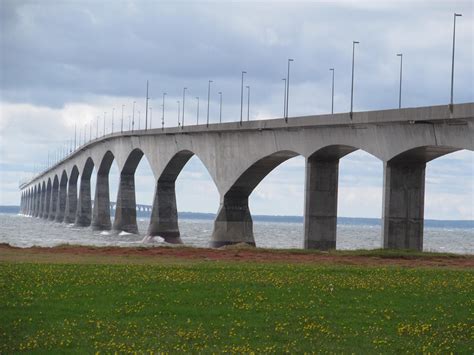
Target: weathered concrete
x=54 y=199
x=101 y=212
x=126 y=212
x=62 y=197
x=238 y=156
x=164 y=215
x=84 y=204
x=71 y=200
x=47 y=200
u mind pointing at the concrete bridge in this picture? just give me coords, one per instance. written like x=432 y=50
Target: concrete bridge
x=238 y=156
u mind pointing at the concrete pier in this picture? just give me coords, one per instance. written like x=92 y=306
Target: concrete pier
x=62 y=197
x=320 y=212
x=164 y=215
x=54 y=200
x=403 y=205
x=125 y=211
x=101 y=212
x=47 y=201
x=84 y=203
x=233 y=223
x=71 y=199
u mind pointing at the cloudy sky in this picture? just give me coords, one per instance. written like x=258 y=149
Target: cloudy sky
x=63 y=63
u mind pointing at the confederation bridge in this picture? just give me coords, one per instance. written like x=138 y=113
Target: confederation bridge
x=239 y=155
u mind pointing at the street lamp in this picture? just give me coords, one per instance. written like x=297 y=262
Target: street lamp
x=151 y=121
x=97 y=128
x=113 y=112
x=400 y=87
x=352 y=82
x=163 y=114
x=184 y=100
x=248 y=102
x=121 y=125
x=146 y=107
x=287 y=89
x=332 y=92
x=208 y=101
x=133 y=116
x=242 y=96
x=220 y=107
x=284 y=96
x=452 y=61
x=75 y=134
x=104 y=124
x=139 y=126
x=197 y=111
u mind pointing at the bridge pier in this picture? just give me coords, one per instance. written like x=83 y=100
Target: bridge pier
x=36 y=207
x=101 y=211
x=84 y=204
x=54 y=202
x=71 y=200
x=40 y=204
x=233 y=223
x=320 y=214
x=403 y=205
x=164 y=215
x=47 y=202
x=61 y=206
x=125 y=209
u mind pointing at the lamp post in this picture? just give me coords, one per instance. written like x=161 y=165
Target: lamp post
x=104 y=124
x=452 y=61
x=400 y=86
x=287 y=89
x=248 y=102
x=332 y=92
x=242 y=96
x=197 y=111
x=121 y=125
x=284 y=96
x=97 y=128
x=138 y=119
x=75 y=134
x=146 y=107
x=151 y=121
x=163 y=114
x=184 y=100
x=133 y=116
x=352 y=81
x=220 y=106
x=208 y=101
x=113 y=112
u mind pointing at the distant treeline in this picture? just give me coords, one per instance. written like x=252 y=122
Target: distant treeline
x=432 y=223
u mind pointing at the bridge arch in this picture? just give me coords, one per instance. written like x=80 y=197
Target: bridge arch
x=54 y=198
x=49 y=188
x=43 y=199
x=71 y=196
x=84 y=203
x=62 y=197
x=101 y=210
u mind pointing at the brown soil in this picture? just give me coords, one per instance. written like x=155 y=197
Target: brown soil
x=161 y=254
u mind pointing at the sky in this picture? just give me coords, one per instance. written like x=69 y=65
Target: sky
x=64 y=63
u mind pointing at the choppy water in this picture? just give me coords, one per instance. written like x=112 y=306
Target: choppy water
x=25 y=231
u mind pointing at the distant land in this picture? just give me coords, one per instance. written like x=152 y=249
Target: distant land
x=431 y=223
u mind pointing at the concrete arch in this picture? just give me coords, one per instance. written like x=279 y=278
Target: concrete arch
x=62 y=197
x=422 y=154
x=49 y=188
x=71 y=200
x=43 y=199
x=101 y=210
x=84 y=203
x=53 y=207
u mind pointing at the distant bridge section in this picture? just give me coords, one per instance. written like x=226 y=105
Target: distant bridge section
x=238 y=156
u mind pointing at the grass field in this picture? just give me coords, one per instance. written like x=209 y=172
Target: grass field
x=197 y=306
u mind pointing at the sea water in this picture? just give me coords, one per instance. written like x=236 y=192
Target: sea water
x=23 y=231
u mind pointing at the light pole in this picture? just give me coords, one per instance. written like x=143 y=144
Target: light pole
x=352 y=81
x=220 y=106
x=163 y=114
x=242 y=96
x=400 y=87
x=133 y=116
x=208 y=101
x=75 y=134
x=452 y=61
x=138 y=119
x=197 y=111
x=129 y=122
x=284 y=96
x=179 y=107
x=104 y=124
x=121 y=125
x=248 y=102
x=90 y=131
x=146 y=107
x=97 y=128
x=332 y=92
x=113 y=112
x=184 y=100
x=288 y=89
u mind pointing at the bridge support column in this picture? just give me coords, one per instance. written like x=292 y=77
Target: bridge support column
x=84 y=204
x=164 y=215
x=36 y=206
x=403 y=205
x=41 y=204
x=61 y=206
x=320 y=215
x=233 y=223
x=126 y=207
x=71 y=202
x=53 y=203
x=101 y=212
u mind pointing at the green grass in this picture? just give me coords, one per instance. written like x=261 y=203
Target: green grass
x=234 y=307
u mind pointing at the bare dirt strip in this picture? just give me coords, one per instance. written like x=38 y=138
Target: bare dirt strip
x=73 y=254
